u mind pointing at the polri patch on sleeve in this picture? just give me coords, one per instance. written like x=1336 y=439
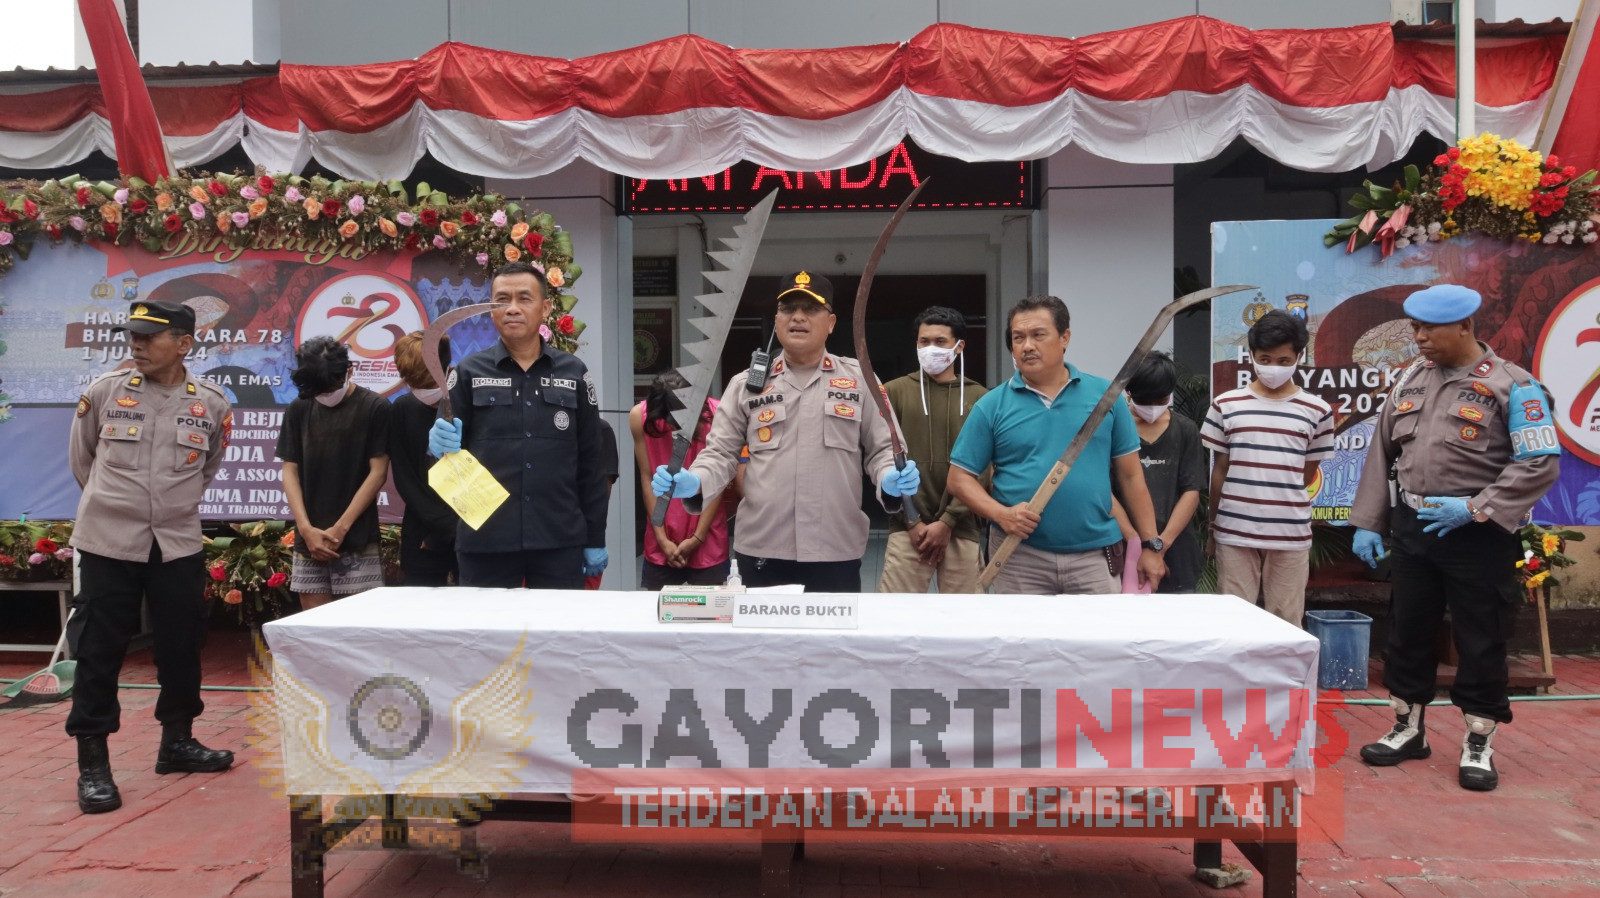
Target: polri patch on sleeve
x=588 y=383
x=83 y=406
x=450 y=380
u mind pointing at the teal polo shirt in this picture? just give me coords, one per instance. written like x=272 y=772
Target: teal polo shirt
x=1014 y=431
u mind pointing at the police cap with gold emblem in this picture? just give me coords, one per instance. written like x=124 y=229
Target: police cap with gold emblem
x=1443 y=304
x=805 y=285
x=155 y=317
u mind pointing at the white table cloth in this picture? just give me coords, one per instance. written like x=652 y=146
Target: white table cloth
x=461 y=690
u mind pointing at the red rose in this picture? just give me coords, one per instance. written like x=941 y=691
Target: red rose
x=83 y=196
x=533 y=242
x=45 y=545
x=566 y=325
x=218 y=573
x=138 y=207
x=110 y=230
x=330 y=208
x=173 y=224
x=7 y=216
x=468 y=219
x=411 y=240
x=30 y=208
x=7 y=561
x=277 y=579
x=428 y=217
x=265 y=183
x=53 y=230
x=217 y=188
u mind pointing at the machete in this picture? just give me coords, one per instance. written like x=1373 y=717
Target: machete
x=720 y=305
x=869 y=378
x=430 y=348
x=1058 y=473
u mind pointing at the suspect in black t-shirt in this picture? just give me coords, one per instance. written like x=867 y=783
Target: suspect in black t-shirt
x=1174 y=464
x=333 y=448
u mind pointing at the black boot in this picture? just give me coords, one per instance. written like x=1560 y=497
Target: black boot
x=1476 y=771
x=97 y=791
x=182 y=753
x=1408 y=739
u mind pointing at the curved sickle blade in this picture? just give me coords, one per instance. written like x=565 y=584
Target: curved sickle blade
x=1058 y=472
x=859 y=326
x=430 y=347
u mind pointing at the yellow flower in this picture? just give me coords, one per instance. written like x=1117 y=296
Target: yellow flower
x=1552 y=544
x=555 y=278
x=512 y=253
x=111 y=212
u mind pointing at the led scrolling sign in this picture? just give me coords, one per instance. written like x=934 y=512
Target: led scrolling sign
x=879 y=183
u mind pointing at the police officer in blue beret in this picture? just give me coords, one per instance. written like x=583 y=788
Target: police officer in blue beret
x=1463 y=431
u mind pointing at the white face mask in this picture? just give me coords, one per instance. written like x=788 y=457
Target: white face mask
x=1150 y=414
x=1273 y=376
x=935 y=359
x=335 y=397
x=429 y=396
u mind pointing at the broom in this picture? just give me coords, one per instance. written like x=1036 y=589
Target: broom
x=52 y=684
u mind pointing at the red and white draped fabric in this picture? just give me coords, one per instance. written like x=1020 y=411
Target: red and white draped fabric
x=1176 y=91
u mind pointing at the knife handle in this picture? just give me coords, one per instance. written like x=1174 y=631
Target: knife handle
x=680 y=448
x=908 y=504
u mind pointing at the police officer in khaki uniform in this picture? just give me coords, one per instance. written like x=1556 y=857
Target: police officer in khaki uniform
x=144 y=445
x=1460 y=496
x=812 y=432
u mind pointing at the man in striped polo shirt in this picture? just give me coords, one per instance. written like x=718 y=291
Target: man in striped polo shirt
x=1268 y=438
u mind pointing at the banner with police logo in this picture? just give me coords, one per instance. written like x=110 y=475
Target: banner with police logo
x=1541 y=309
x=252 y=308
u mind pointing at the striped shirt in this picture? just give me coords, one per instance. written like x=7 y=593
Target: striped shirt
x=1268 y=442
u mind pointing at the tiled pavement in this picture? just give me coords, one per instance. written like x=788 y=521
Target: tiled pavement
x=1408 y=831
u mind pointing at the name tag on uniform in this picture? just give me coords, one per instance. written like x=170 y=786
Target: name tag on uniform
x=816 y=611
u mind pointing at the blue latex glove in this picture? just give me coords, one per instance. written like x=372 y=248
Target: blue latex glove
x=444 y=438
x=902 y=482
x=594 y=561
x=1446 y=513
x=682 y=484
x=1368 y=547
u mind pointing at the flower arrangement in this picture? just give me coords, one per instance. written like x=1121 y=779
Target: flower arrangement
x=1484 y=184
x=249 y=571
x=35 y=550
x=281 y=211
x=1543 y=550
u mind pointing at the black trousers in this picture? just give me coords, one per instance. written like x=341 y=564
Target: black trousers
x=815 y=576
x=106 y=617
x=425 y=567
x=656 y=576
x=1472 y=573
x=535 y=569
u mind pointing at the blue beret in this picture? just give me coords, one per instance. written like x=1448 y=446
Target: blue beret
x=1443 y=304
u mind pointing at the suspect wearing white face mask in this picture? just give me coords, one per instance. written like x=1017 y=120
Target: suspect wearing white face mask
x=937 y=359
x=334 y=397
x=1150 y=414
x=1273 y=376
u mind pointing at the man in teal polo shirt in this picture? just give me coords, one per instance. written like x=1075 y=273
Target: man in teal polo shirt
x=1021 y=429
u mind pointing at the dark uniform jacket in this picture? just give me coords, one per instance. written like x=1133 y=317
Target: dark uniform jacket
x=1449 y=436
x=143 y=454
x=538 y=433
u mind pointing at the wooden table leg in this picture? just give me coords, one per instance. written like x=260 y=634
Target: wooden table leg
x=777 y=868
x=1280 y=871
x=305 y=846
x=396 y=830
x=1207 y=855
x=1540 y=596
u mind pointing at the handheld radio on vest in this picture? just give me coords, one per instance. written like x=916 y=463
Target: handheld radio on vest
x=760 y=366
